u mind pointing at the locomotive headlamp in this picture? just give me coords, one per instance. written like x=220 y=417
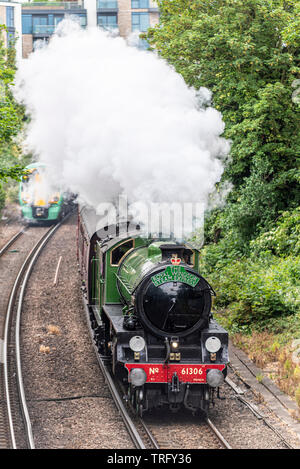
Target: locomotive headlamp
x=213 y=344
x=137 y=343
x=137 y=377
x=214 y=378
x=54 y=200
x=174 y=343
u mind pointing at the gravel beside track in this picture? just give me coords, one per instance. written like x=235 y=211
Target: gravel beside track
x=181 y=431
x=10 y=223
x=12 y=260
x=68 y=400
x=245 y=429
x=7 y=231
x=233 y=419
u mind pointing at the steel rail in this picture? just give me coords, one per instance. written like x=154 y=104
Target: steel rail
x=25 y=272
x=218 y=434
x=133 y=432
x=17 y=334
x=12 y=240
x=255 y=411
x=131 y=427
x=149 y=434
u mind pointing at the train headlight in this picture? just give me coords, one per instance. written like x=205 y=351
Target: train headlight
x=54 y=200
x=137 y=377
x=174 y=344
x=213 y=344
x=214 y=378
x=137 y=343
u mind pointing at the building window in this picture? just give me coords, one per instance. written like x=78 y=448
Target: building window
x=140 y=21
x=10 y=17
x=107 y=21
x=27 y=24
x=139 y=4
x=46 y=24
x=40 y=20
x=41 y=26
x=57 y=19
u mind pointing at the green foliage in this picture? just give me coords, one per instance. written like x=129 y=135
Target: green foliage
x=247 y=53
x=12 y=172
x=282 y=240
x=11 y=118
x=2 y=198
x=261 y=287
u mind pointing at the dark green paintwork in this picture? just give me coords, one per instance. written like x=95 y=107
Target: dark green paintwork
x=140 y=260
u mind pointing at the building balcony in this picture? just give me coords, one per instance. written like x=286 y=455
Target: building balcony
x=53 y=5
x=43 y=29
x=108 y=27
x=107 y=5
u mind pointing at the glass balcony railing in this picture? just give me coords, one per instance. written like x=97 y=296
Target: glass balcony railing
x=107 y=4
x=43 y=29
x=108 y=27
x=60 y=5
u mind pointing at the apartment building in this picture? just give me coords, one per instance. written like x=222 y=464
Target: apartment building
x=11 y=18
x=39 y=19
x=127 y=15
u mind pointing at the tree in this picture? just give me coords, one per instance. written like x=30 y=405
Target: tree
x=247 y=53
x=11 y=114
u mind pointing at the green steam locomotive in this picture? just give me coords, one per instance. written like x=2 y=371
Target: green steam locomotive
x=150 y=312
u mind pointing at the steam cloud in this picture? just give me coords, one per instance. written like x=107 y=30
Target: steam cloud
x=112 y=119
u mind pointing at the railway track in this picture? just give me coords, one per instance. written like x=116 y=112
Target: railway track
x=15 y=425
x=139 y=429
x=255 y=411
x=12 y=241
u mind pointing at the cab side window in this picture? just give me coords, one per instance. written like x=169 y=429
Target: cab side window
x=119 y=252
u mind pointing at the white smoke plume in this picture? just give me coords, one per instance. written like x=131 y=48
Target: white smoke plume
x=112 y=119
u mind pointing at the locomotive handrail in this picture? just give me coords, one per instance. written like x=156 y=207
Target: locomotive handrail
x=120 y=280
